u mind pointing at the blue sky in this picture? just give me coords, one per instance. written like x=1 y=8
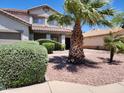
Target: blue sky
x=56 y=4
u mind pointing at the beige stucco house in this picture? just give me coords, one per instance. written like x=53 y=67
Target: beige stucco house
x=31 y=24
x=95 y=38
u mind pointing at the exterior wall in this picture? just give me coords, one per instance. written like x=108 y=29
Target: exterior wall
x=97 y=41
x=94 y=41
x=8 y=23
x=39 y=36
x=63 y=39
x=48 y=36
x=41 y=12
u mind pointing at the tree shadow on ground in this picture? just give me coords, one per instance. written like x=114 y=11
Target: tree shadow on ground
x=60 y=62
x=106 y=60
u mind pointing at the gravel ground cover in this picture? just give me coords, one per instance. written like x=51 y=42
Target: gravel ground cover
x=95 y=72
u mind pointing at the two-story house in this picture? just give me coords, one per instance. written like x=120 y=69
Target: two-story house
x=31 y=24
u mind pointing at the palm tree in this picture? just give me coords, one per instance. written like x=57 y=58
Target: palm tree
x=81 y=12
x=114 y=44
x=118 y=19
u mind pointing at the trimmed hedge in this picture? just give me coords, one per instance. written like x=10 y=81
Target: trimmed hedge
x=22 y=64
x=58 y=46
x=28 y=42
x=50 y=47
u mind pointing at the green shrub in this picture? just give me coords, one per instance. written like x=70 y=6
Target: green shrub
x=58 y=46
x=50 y=47
x=62 y=47
x=28 y=42
x=22 y=64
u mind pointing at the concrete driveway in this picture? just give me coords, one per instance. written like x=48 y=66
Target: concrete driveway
x=66 y=87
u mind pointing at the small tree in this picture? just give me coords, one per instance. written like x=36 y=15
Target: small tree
x=114 y=44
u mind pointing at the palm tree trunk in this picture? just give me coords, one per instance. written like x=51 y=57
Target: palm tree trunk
x=76 y=53
x=111 y=55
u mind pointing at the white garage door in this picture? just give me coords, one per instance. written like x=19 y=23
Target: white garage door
x=10 y=36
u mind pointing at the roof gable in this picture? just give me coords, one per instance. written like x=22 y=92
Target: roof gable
x=14 y=17
x=43 y=7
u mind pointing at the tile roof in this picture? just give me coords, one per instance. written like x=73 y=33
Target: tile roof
x=14 y=17
x=14 y=10
x=49 y=28
x=98 y=32
x=44 y=6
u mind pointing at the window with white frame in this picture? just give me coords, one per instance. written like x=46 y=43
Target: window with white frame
x=53 y=23
x=39 y=20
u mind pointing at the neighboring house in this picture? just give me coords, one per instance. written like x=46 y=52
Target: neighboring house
x=31 y=24
x=95 y=38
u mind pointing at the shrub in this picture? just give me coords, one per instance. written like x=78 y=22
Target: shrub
x=50 y=47
x=28 y=42
x=22 y=64
x=58 y=46
x=62 y=47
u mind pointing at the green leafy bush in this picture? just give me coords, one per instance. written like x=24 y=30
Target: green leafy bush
x=50 y=47
x=28 y=42
x=22 y=64
x=58 y=46
x=62 y=47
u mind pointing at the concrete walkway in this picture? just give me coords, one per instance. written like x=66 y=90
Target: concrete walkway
x=65 y=87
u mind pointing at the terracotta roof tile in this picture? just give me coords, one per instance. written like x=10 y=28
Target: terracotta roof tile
x=14 y=10
x=48 y=28
x=14 y=17
x=98 y=32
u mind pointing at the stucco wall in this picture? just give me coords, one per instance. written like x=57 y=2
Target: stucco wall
x=6 y=22
x=41 y=12
x=94 y=41
x=97 y=41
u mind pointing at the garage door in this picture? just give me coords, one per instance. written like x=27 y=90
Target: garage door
x=10 y=36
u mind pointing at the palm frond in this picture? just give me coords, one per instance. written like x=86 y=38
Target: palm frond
x=85 y=1
x=114 y=42
x=109 y=12
x=98 y=4
x=54 y=17
x=61 y=19
x=105 y=23
x=118 y=19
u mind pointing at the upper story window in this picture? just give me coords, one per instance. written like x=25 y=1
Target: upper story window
x=39 y=20
x=53 y=23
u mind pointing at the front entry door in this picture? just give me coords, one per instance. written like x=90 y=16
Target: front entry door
x=67 y=42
